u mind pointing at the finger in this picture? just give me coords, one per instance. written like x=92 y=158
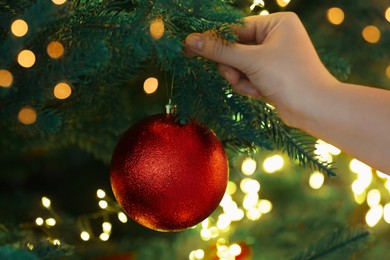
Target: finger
x=246 y=88
x=257 y=28
x=216 y=49
x=229 y=73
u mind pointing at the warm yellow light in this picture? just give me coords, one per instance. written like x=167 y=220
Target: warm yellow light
x=374 y=215
x=214 y=232
x=265 y=206
x=39 y=221
x=157 y=28
x=231 y=188
x=386 y=213
x=248 y=166
x=335 y=15
x=50 y=222
x=205 y=234
x=30 y=246
x=387 y=14
x=358 y=187
x=19 y=28
x=122 y=217
x=107 y=226
x=223 y=252
x=248 y=185
x=373 y=197
x=235 y=249
x=236 y=214
x=361 y=197
x=256 y=3
x=253 y=214
x=85 y=236
x=46 y=202
x=6 y=78
x=56 y=242
x=27 y=116
x=371 y=34
x=283 y=3
x=382 y=175
x=150 y=85
x=264 y=12
x=388 y=71
x=250 y=200
x=199 y=254
x=223 y=222
x=62 y=90
x=316 y=180
x=104 y=236
x=55 y=49
x=273 y=164
x=323 y=148
x=357 y=166
x=26 y=58
x=103 y=204
x=205 y=223
x=100 y=193
x=59 y=2
x=387 y=184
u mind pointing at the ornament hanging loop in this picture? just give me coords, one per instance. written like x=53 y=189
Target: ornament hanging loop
x=170 y=108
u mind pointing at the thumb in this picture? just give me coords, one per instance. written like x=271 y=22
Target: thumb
x=218 y=50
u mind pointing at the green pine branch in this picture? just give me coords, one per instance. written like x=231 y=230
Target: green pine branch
x=333 y=246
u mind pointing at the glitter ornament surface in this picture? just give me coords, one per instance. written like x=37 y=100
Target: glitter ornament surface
x=168 y=176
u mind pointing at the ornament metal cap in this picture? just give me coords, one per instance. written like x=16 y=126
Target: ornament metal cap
x=169 y=108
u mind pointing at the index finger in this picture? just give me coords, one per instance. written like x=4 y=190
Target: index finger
x=256 y=28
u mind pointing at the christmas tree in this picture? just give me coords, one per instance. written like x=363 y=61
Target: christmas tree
x=75 y=75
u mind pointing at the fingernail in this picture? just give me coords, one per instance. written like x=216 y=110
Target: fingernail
x=195 y=42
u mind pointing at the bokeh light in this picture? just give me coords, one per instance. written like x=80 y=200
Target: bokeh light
x=374 y=215
x=85 y=236
x=335 y=15
x=150 y=85
x=371 y=34
x=157 y=28
x=388 y=71
x=387 y=14
x=26 y=58
x=248 y=166
x=55 y=49
x=62 y=90
x=27 y=116
x=59 y=2
x=19 y=28
x=283 y=3
x=6 y=78
x=316 y=180
x=373 y=197
x=273 y=164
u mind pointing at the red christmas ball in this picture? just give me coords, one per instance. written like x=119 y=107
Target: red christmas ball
x=168 y=176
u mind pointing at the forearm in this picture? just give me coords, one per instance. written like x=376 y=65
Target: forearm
x=354 y=118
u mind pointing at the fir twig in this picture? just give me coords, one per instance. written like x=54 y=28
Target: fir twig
x=346 y=240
